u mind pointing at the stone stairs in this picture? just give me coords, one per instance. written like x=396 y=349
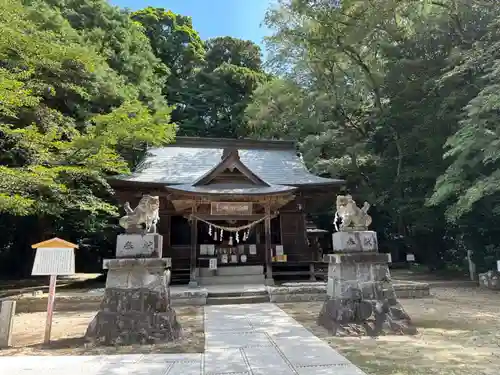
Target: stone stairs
x=232 y=298
x=232 y=275
x=225 y=300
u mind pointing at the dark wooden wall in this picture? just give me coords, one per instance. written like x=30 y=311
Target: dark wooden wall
x=293 y=231
x=292 y=223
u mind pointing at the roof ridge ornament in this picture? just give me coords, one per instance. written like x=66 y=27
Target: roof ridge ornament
x=230 y=151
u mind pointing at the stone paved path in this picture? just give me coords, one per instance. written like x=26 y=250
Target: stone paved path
x=261 y=339
x=253 y=339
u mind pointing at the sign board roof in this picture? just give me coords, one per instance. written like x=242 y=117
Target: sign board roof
x=55 y=243
x=54 y=261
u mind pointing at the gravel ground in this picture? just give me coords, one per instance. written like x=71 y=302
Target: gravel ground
x=459 y=334
x=69 y=327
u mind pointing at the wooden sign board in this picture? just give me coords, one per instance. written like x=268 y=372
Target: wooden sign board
x=53 y=257
x=279 y=250
x=54 y=261
x=231 y=208
x=212 y=264
x=210 y=249
x=280 y=258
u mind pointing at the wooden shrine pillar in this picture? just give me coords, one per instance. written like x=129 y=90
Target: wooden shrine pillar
x=166 y=234
x=268 y=249
x=193 y=283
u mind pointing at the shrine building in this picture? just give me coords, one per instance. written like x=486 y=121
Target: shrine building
x=231 y=210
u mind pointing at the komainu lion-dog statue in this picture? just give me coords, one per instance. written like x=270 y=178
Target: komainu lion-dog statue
x=352 y=217
x=146 y=213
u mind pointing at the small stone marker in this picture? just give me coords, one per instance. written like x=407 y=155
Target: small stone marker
x=7 y=311
x=498 y=265
x=410 y=257
x=53 y=257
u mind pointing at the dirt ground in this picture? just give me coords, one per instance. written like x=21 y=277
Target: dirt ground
x=78 y=280
x=459 y=334
x=69 y=327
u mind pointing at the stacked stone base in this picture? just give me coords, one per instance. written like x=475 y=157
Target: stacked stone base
x=133 y=316
x=361 y=300
x=365 y=318
x=136 y=307
x=490 y=280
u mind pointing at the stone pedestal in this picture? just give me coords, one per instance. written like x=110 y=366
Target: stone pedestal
x=136 y=307
x=139 y=245
x=360 y=297
x=355 y=241
x=490 y=280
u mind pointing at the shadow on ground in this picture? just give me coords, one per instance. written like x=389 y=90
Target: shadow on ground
x=459 y=334
x=78 y=346
x=68 y=329
x=10 y=288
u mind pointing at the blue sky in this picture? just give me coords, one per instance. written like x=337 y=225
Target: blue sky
x=237 y=18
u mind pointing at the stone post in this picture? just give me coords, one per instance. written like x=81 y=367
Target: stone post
x=7 y=311
x=360 y=297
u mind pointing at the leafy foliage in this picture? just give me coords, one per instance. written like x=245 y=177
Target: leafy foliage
x=399 y=97
x=215 y=101
x=210 y=83
x=68 y=118
x=176 y=44
x=85 y=88
x=375 y=90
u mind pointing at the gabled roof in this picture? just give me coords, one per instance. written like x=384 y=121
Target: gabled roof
x=230 y=159
x=188 y=160
x=55 y=243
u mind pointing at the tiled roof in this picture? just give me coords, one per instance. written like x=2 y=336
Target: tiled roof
x=184 y=163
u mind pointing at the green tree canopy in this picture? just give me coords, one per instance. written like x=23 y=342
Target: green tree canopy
x=68 y=119
x=374 y=90
x=176 y=44
x=215 y=99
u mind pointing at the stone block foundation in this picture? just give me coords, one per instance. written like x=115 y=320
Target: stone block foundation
x=361 y=299
x=133 y=316
x=490 y=280
x=136 y=307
